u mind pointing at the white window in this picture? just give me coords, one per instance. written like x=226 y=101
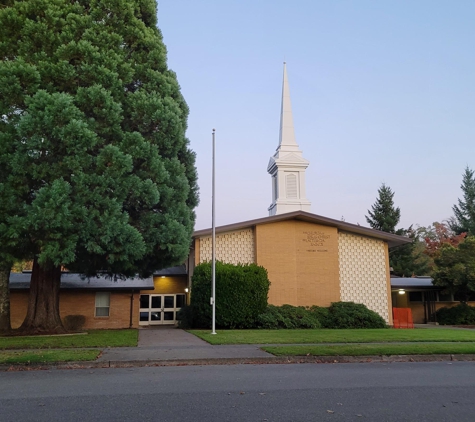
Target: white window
x=103 y=300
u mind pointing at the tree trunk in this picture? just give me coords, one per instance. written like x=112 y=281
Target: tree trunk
x=43 y=316
x=5 y=326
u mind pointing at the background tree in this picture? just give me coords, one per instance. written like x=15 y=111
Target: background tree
x=96 y=125
x=405 y=260
x=384 y=215
x=464 y=213
x=409 y=259
x=455 y=270
x=437 y=235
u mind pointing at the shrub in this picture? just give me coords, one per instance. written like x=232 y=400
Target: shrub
x=287 y=316
x=74 y=322
x=320 y=313
x=461 y=314
x=271 y=318
x=185 y=317
x=352 y=315
x=241 y=295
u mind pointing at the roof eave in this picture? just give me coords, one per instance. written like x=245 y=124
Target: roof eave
x=391 y=239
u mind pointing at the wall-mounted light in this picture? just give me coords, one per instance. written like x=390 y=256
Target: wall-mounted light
x=186 y=289
x=402 y=292
x=162 y=276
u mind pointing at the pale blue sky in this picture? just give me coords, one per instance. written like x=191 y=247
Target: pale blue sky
x=382 y=91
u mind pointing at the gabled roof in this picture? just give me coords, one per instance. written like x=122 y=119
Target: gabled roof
x=391 y=239
x=76 y=281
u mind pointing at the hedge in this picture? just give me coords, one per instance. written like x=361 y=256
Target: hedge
x=241 y=295
x=461 y=314
x=338 y=315
x=352 y=315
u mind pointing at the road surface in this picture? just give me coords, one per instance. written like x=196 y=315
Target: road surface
x=436 y=391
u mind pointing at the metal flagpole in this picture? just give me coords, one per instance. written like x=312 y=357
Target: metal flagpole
x=213 y=253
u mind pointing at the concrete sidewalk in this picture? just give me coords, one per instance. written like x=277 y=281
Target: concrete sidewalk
x=175 y=347
x=166 y=344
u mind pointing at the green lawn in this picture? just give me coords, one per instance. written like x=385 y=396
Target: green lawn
x=45 y=356
x=373 y=349
x=93 y=338
x=334 y=336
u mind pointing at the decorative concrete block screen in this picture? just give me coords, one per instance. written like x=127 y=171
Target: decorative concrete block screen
x=363 y=279
x=233 y=247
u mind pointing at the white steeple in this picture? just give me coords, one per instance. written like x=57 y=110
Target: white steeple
x=287 y=166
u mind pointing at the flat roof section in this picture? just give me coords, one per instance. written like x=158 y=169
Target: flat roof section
x=414 y=283
x=20 y=281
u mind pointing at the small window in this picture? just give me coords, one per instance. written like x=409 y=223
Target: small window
x=445 y=297
x=458 y=297
x=180 y=301
x=144 y=301
x=102 y=304
x=415 y=296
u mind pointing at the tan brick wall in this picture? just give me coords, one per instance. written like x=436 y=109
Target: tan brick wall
x=233 y=248
x=364 y=276
x=168 y=285
x=302 y=262
x=83 y=303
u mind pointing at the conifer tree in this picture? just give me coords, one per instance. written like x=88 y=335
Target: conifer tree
x=464 y=213
x=94 y=124
x=409 y=259
x=384 y=216
x=405 y=260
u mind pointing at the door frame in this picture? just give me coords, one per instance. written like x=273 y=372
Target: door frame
x=161 y=310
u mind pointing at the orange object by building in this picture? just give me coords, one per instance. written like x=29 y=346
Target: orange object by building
x=402 y=318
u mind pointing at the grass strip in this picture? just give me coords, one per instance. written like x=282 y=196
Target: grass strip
x=335 y=336
x=47 y=356
x=94 y=338
x=374 y=349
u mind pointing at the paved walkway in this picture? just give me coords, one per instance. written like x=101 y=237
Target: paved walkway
x=164 y=343
x=173 y=344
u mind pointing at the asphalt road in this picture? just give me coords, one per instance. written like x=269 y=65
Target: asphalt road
x=436 y=391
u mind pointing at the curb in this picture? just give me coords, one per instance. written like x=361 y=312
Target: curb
x=240 y=361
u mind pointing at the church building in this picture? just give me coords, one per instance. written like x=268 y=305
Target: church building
x=310 y=259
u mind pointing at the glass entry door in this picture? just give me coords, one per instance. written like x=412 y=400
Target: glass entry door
x=160 y=309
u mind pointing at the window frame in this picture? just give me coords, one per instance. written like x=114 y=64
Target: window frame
x=96 y=307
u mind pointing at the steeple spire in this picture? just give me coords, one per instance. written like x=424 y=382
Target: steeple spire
x=287 y=166
x=287 y=134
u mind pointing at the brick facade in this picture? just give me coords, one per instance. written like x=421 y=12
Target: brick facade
x=83 y=303
x=309 y=263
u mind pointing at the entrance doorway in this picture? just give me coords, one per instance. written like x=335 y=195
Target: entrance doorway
x=160 y=309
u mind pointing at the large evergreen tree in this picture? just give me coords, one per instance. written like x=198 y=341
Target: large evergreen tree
x=95 y=125
x=464 y=213
x=7 y=245
x=384 y=215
